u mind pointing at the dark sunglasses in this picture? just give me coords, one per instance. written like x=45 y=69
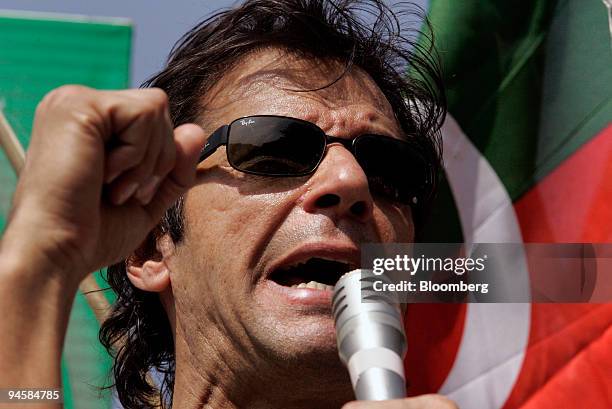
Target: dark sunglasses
x=280 y=146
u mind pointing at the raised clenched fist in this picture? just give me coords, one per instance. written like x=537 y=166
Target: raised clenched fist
x=101 y=169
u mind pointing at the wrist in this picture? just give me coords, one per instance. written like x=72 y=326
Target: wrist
x=22 y=262
x=28 y=272
x=26 y=277
x=36 y=300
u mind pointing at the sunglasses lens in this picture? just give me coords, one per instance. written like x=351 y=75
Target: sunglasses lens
x=395 y=169
x=274 y=146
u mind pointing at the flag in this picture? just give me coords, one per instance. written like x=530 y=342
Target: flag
x=528 y=157
x=39 y=52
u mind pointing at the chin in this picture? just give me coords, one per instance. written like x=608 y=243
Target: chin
x=297 y=333
x=296 y=326
x=299 y=346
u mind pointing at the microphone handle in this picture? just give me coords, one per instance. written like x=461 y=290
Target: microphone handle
x=371 y=338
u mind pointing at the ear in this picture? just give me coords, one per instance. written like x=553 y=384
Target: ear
x=152 y=274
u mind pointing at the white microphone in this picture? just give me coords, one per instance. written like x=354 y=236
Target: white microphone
x=370 y=335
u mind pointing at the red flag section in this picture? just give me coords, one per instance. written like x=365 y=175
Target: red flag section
x=434 y=332
x=573 y=204
x=568 y=363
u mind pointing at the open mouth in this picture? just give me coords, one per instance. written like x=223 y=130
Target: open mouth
x=314 y=273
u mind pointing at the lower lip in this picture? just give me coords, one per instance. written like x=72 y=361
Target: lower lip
x=304 y=296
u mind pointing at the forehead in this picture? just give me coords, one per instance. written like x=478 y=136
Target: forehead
x=279 y=82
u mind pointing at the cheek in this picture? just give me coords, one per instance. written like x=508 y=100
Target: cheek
x=226 y=223
x=218 y=222
x=394 y=223
x=216 y=217
x=237 y=207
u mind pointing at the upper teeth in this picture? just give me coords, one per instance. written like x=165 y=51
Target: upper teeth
x=314 y=285
x=303 y=262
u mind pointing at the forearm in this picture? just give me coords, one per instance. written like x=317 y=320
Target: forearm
x=35 y=303
x=62 y=227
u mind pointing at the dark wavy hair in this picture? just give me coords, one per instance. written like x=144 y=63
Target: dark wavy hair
x=363 y=33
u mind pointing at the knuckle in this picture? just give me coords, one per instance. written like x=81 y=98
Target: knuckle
x=145 y=165
x=137 y=174
x=126 y=156
x=75 y=104
x=352 y=405
x=447 y=403
x=443 y=402
x=138 y=160
x=89 y=118
x=66 y=94
x=158 y=98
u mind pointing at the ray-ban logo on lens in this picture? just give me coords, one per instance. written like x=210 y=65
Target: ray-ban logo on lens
x=246 y=122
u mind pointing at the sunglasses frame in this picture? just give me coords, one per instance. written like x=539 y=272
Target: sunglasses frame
x=220 y=137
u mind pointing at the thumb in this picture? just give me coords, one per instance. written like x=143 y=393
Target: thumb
x=188 y=140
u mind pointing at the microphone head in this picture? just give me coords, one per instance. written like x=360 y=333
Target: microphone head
x=370 y=336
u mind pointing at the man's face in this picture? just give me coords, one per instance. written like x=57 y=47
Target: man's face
x=231 y=275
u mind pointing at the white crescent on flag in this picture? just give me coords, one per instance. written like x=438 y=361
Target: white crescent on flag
x=495 y=336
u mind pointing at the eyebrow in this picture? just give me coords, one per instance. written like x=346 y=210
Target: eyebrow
x=275 y=77
x=245 y=84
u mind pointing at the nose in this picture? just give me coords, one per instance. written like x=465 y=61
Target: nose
x=339 y=187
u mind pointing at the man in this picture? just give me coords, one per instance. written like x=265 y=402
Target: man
x=210 y=298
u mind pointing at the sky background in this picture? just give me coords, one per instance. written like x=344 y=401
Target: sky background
x=158 y=24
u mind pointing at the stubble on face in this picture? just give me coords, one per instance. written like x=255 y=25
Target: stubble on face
x=237 y=225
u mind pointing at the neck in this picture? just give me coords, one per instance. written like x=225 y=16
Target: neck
x=225 y=379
